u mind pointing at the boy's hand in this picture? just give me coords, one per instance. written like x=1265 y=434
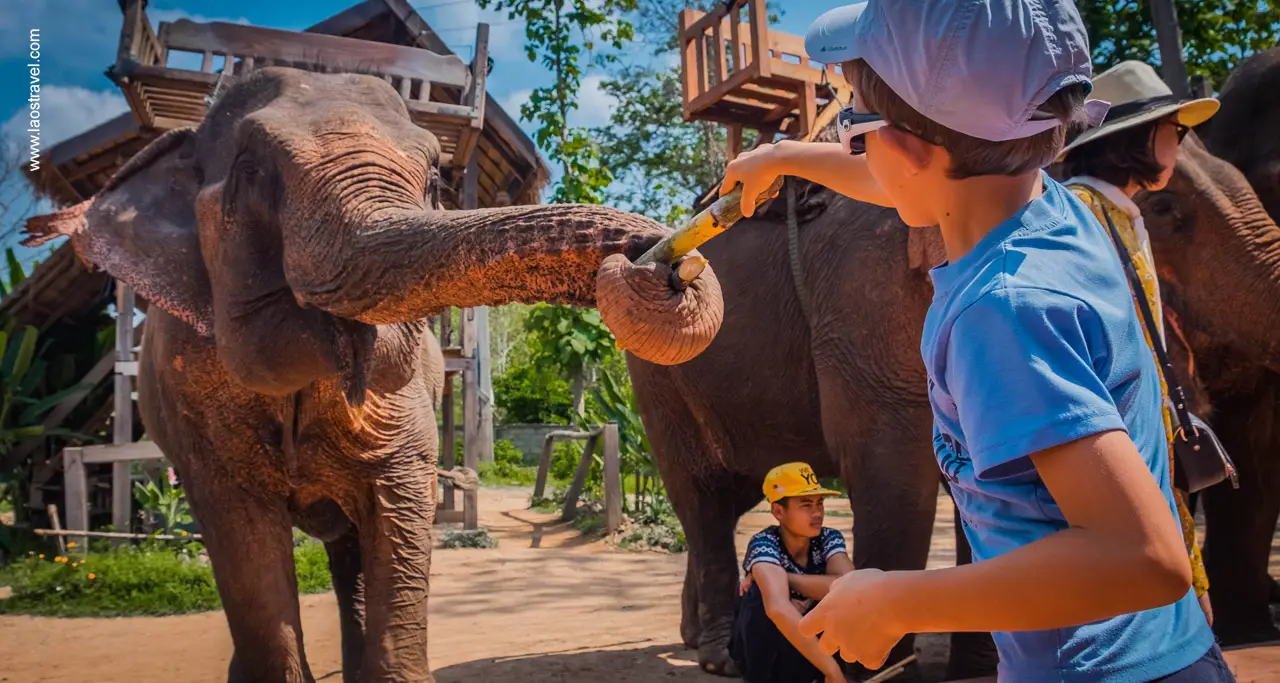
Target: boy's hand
x=745 y=585
x=856 y=619
x=756 y=170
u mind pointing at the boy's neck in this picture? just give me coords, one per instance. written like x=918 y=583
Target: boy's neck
x=969 y=209
x=797 y=546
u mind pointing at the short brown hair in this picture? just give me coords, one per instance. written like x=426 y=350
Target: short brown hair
x=972 y=156
x=1123 y=157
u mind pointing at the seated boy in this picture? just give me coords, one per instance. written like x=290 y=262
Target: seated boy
x=788 y=567
x=1046 y=399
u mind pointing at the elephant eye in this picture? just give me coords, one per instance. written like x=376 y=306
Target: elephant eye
x=1163 y=204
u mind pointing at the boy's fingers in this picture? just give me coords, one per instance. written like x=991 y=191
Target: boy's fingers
x=827 y=643
x=750 y=191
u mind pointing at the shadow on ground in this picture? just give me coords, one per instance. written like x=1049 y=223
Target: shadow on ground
x=672 y=662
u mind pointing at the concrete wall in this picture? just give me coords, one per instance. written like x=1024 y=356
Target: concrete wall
x=527 y=438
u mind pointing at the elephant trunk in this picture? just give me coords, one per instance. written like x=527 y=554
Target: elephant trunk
x=400 y=264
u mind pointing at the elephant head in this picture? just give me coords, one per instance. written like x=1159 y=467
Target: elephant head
x=1217 y=253
x=1243 y=132
x=304 y=211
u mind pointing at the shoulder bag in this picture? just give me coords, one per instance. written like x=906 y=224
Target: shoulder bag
x=1201 y=460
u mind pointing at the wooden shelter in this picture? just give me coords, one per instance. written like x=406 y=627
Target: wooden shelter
x=488 y=161
x=746 y=75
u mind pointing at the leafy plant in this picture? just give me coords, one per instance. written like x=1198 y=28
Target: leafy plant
x=532 y=393
x=575 y=340
x=167 y=502
x=462 y=538
x=153 y=578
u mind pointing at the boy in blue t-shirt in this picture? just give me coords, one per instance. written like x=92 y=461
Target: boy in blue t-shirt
x=1046 y=400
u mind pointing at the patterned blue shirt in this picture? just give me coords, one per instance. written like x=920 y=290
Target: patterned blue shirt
x=767 y=547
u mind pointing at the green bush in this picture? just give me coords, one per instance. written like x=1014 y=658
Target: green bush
x=461 y=538
x=152 y=579
x=506 y=474
x=532 y=394
x=506 y=452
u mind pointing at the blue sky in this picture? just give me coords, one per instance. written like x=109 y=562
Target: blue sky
x=79 y=39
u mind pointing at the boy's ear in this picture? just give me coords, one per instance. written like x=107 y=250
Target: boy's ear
x=914 y=151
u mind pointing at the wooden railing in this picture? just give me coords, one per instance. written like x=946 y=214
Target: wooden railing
x=741 y=73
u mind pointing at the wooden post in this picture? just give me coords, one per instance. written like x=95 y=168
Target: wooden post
x=612 y=479
x=76 y=490
x=121 y=481
x=570 y=508
x=544 y=466
x=470 y=418
x=449 y=459
x=56 y=525
x=1164 y=16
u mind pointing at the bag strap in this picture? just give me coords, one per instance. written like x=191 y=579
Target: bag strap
x=1139 y=293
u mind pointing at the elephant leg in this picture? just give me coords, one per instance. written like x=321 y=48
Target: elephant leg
x=709 y=510
x=690 y=624
x=348 y=586
x=395 y=549
x=250 y=545
x=973 y=655
x=1240 y=525
x=885 y=455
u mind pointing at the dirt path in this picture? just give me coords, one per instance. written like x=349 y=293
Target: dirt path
x=543 y=607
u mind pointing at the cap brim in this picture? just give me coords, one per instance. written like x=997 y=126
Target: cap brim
x=1190 y=113
x=815 y=491
x=830 y=39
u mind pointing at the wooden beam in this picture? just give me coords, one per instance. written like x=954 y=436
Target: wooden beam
x=613 y=476
x=759 y=19
x=470 y=420
x=122 y=433
x=569 y=509
x=138 y=450
x=449 y=459
x=76 y=491
x=315 y=49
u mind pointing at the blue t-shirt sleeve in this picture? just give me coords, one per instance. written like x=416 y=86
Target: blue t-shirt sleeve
x=832 y=543
x=1021 y=370
x=764 y=547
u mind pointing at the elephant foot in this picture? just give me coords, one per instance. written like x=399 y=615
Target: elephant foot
x=714 y=659
x=690 y=632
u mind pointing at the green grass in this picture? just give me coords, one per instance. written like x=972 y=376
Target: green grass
x=151 y=580
x=505 y=474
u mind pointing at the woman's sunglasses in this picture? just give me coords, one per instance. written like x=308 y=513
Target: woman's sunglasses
x=1182 y=130
x=853 y=127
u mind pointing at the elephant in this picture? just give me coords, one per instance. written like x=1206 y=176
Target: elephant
x=818 y=360
x=1243 y=380
x=292 y=248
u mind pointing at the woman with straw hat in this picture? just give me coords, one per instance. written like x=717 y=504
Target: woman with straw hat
x=1135 y=149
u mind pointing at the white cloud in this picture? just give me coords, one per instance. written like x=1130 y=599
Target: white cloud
x=66 y=111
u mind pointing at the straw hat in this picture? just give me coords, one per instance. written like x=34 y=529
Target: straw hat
x=1138 y=96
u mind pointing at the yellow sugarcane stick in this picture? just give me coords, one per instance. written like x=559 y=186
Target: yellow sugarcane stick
x=721 y=215
x=709 y=222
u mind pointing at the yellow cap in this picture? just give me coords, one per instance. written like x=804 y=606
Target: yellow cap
x=791 y=480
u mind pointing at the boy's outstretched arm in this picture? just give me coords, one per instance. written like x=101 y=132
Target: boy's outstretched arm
x=776 y=595
x=825 y=163
x=1123 y=553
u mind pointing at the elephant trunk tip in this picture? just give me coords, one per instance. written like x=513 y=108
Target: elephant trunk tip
x=654 y=320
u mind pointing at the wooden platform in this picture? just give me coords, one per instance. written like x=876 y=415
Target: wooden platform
x=441 y=93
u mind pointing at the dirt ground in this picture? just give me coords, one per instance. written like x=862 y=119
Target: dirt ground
x=545 y=606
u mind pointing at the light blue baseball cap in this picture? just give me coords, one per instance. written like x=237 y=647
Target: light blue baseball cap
x=978 y=67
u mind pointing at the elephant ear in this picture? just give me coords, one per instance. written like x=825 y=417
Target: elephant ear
x=925 y=248
x=141 y=228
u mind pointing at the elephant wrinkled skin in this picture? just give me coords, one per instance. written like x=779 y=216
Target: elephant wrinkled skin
x=836 y=377
x=292 y=248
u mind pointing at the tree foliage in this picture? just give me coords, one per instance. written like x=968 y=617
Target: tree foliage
x=553 y=29
x=1216 y=34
